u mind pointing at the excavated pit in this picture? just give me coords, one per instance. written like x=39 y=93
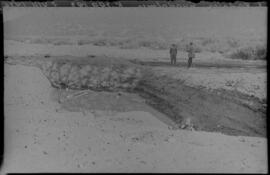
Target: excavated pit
x=217 y=111
x=231 y=113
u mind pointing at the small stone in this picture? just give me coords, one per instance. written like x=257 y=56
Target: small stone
x=93 y=163
x=142 y=161
x=253 y=145
x=44 y=152
x=89 y=149
x=25 y=146
x=170 y=127
x=242 y=140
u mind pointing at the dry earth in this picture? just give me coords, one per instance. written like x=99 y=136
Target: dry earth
x=37 y=125
x=136 y=132
x=41 y=133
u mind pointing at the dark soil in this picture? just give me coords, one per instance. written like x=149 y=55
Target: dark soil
x=222 y=111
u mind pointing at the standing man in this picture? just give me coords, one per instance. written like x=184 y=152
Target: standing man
x=173 y=53
x=191 y=53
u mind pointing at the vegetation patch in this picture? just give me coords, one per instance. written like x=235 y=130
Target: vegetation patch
x=249 y=53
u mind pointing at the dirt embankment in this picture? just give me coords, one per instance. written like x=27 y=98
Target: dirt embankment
x=223 y=111
x=231 y=113
x=95 y=73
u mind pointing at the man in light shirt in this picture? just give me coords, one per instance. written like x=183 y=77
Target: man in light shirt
x=191 y=53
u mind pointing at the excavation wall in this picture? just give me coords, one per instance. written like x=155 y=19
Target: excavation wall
x=91 y=73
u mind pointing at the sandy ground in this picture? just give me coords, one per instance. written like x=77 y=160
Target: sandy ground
x=39 y=134
x=122 y=133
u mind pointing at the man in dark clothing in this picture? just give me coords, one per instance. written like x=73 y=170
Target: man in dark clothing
x=173 y=53
x=191 y=53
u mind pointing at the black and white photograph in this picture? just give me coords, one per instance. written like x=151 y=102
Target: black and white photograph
x=135 y=89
